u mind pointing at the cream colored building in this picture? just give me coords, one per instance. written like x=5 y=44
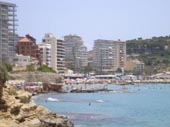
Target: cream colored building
x=20 y=60
x=134 y=65
x=109 y=55
x=52 y=53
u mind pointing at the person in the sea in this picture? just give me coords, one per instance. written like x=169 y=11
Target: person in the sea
x=89 y=103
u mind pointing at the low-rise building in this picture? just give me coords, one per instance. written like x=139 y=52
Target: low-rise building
x=20 y=60
x=134 y=64
x=27 y=46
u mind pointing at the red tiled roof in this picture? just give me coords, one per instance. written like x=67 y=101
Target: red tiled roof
x=25 y=39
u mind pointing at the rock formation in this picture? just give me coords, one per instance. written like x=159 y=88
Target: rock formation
x=18 y=110
x=36 y=76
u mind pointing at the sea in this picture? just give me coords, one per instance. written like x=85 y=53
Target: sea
x=144 y=105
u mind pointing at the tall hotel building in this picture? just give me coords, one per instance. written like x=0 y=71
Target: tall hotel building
x=52 y=53
x=7 y=31
x=76 y=52
x=109 y=55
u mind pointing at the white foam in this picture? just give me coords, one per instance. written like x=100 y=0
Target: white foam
x=52 y=99
x=100 y=101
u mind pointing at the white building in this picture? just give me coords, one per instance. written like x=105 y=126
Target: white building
x=76 y=52
x=81 y=58
x=109 y=55
x=20 y=60
x=52 y=53
x=45 y=51
x=8 y=37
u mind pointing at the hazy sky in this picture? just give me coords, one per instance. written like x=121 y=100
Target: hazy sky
x=93 y=19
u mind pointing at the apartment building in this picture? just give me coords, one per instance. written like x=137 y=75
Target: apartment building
x=8 y=37
x=109 y=55
x=121 y=54
x=53 y=53
x=81 y=58
x=45 y=54
x=104 y=55
x=75 y=52
x=60 y=56
x=27 y=46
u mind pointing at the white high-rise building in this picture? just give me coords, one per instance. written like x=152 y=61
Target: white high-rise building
x=52 y=53
x=81 y=58
x=109 y=55
x=45 y=57
x=76 y=52
x=8 y=37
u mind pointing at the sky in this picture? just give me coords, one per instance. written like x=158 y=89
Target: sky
x=93 y=19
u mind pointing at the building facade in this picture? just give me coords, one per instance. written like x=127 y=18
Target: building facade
x=45 y=54
x=60 y=56
x=108 y=55
x=8 y=37
x=104 y=55
x=52 y=53
x=21 y=60
x=76 y=52
x=121 y=54
x=81 y=58
x=27 y=46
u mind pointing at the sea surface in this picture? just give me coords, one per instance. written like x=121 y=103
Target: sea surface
x=146 y=105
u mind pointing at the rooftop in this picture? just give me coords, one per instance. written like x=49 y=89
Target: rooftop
x=7 y=4
x=25 y=39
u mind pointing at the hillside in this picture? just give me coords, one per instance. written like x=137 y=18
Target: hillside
x=154 y=52
x=36 y=76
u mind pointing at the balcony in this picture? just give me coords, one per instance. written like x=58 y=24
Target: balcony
x=4 y=39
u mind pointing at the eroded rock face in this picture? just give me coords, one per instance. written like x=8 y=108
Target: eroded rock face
x=18 y=110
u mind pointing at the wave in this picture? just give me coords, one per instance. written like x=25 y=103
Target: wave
x=52 y=99
x=100 y=101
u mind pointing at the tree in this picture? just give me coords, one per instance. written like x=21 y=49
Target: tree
x=3 y=74
x=45 y=68
x=119 y=70
x=8 y=67
x=87 y=69
x=3 y=78
x=70 y=65
x=30 y=68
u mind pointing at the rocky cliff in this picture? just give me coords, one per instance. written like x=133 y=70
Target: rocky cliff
x=36 y=76
x=18 y=110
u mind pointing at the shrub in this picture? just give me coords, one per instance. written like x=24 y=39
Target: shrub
x=45 y=68
x=30 y=68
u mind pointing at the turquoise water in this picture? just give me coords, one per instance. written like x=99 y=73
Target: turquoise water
x=141 y=106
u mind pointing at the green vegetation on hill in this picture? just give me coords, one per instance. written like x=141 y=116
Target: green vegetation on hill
x=148 y=45
x=45 y=68
x=42 y=68
x=30 y=68
x=155 y=53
